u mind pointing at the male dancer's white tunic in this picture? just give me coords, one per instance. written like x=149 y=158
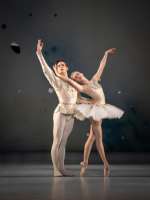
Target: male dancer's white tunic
x=63 y=119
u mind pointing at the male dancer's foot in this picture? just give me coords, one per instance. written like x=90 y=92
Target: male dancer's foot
x=67 y=174
x=57 y=174
x=83 y=168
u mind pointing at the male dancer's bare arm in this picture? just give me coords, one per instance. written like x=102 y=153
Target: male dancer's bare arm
x=102 y=64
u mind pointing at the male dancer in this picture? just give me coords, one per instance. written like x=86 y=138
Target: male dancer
x=63 y=115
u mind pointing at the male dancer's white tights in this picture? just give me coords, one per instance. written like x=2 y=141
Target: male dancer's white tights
x=62 y=127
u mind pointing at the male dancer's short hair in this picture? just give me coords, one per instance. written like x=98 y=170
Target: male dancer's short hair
x=60 y=60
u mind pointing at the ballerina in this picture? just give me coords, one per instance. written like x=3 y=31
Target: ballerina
x=96 y=111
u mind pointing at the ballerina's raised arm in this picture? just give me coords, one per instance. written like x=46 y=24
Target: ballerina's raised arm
x=102 y=64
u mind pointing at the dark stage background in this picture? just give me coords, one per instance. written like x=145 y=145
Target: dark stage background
x=79 y=32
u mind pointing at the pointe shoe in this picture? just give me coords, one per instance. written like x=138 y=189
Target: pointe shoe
x=106 y=171
x=83 y=168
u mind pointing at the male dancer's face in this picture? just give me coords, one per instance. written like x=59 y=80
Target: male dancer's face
x=62 y=68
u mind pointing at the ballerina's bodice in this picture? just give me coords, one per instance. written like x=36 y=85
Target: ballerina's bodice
x=98 y=110
x=95 y=90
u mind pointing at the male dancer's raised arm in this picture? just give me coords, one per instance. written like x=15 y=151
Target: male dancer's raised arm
x=102 y=64
x=48 y=72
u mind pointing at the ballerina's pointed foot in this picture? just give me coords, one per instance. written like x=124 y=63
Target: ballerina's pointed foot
x=83 y=168
x=106 y=171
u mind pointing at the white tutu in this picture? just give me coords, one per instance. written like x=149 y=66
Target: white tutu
x=97 y=112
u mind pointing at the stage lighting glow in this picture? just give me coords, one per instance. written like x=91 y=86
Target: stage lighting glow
x=119 y=92
x=50 y=90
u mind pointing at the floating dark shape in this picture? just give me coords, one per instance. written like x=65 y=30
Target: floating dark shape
x=30 y=14
x=15 y=47
x=3 y=26
x=55 y=15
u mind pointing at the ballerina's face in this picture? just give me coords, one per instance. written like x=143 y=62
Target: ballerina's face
x=62 y=67
x=78 y=76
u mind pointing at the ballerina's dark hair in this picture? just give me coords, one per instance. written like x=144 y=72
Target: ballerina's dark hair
x=72 y=73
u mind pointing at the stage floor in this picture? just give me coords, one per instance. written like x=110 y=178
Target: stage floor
x=29 y=182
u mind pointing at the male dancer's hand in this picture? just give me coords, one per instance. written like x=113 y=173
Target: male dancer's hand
x=111 y=51
x=39 y=46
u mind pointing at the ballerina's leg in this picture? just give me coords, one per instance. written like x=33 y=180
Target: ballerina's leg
x=87 y=150
x=97 y=130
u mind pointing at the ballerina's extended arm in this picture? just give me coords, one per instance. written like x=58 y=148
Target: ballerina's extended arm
x=73 y=83
x=102 y=64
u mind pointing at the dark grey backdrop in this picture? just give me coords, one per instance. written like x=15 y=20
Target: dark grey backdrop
x=79 y=32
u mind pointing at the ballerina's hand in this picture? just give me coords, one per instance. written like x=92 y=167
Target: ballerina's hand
x=111 y=51
x=55 y=70
x=58 y=74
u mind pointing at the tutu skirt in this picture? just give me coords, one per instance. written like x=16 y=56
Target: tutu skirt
x=97 y=112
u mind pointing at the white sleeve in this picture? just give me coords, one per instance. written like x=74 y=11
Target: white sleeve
x=48 y=72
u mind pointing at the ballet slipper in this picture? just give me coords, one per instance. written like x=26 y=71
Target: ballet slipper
x=57 y=174
x=67 y=174
x=106 y=171
x=83 y=168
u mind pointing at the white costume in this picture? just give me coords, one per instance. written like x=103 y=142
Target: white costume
x=63 y=119
x=99 y=110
